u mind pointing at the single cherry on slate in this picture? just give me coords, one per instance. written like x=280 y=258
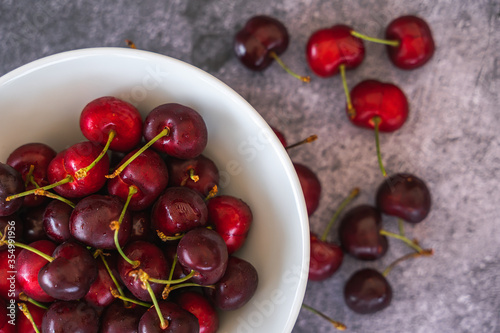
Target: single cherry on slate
x=406 y=196
x=379 y=106
x=359 y=233
x=260 y=41
x=367 y=291
x=11 y=183
x=311 y=186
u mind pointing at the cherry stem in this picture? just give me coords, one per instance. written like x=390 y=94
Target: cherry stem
x=194 y=177
x=426 y=252
x=394 y=43
x=164 y=132
x=353 y=194
x=165 y=238
x=115 y=225
x=309 y=139
x=24 y=309
x=336 y=324
x=29 y=175
x=25 y=298
x=413 y=244
x=169 y=281
x=213 y=192
x=3 y=241
x=172 y=270
x=163 y=323
x=351 y=112
x=126 y=299
x=130 y=44
x=376 y=123
x=41 y=190
x=50 y=194
x=273 y=55
x=401 y=227
x=111 y=275
x=82 y=173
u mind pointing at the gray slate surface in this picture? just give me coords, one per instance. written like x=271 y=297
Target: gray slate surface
x=450 y=139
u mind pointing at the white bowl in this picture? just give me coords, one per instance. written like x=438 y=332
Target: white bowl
x=42 y=101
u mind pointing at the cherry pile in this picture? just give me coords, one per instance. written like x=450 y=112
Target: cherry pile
x=114 y=234
x=372 y=104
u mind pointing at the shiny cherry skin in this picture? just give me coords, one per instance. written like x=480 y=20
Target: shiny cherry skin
x=28 y=266
x=416 y=44
x=372 y=98
x=204 y=170
x=406 y=196
x=325 y=259
x=74 y=316
x=359 y=233
x=367 y=291
x=178 y=320
x=90 y=221
x=23 y=158
x=69 y=161
x=22 y=322
x=311 y=186
x=329 y=48
x=197 y=304
x=99 y=293
x=148 y=173
x=188 y=134
x=141 y=227
x=11 y=182
x=107 y=113
x=69 y=276
x=117 y=318
x=56 y=221
x=203 y=250
x=236 y=287
x=232 y=218
x=261 y=35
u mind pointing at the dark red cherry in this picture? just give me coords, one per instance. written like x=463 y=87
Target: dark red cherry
x=56 y=221
x=117 y=318
x=33 y=223
x=176 y=319
x=359 y=233
x=9 y=288
x=8 y=323
x=90 y=221
x=405 y=196
x=24 y=324
x=199 y=173
x=69 y=161
x=326 y=259
x=69 y=276
x=204 y=251
x=367 y=291
x=327 y=49
x=178 y=210
x=187 y=137
x=28 y=266
x=11 y=183
x=232 y=219
x=32 y=161
x=236 y=287
x=141 y=227
x=416 y=44
x=197 y=304
x=99 y=293
x=151 y=261
x=260 y=36
x=371 y=99
x=311 y=186
x=280 y=136
x=107 y=113
x=147 y=172
x=75 y=316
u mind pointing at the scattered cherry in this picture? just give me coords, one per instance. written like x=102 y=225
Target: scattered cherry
x=367 y=291
x=311 y=186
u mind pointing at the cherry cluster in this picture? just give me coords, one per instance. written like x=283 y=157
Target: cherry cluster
x=121 y=234
x=372 y=104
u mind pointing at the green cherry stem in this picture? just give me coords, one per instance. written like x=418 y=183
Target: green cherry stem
x=29 y=175
x=336 y=324
x=169 y=281
x=351 y=112
x=126 y=299
x=305 y=79
x=50 y=194
x=111 y=275
x=82 y=173
x=115 y=226
x=394 y=43
x=353 y=194
x=376 y=124
x=23 y=297
x=41 y=190
x=24 y=309
x=401 y=227
x=164 y=132
x=426 y=252
x=309 y=139
x=3 y=241
x=405 y=239
x=144 y=279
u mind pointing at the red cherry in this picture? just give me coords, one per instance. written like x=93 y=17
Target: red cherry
x=326 y=259
x=327 y=49
x=203 y=309
x=311 y=187
x=24 y=324
x=416 y=45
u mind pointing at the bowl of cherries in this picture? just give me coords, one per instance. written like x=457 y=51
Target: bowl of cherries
x=139 y=193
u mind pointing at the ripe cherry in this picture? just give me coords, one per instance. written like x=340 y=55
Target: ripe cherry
x=105 y=114
x=199 y=173
x=11 y=183
x=75 y=316
x=9 y=288
x=99 y=293
x=197 y=304
x=260 y=41
x=56 y=221
x=117 y=318
x=232 y=219
x=367 y=291
x=379 y=106
x=405 y=196
x=33 y=223
x=359 y=233
x=175 y=320
x=23 y=323
x=310 y=185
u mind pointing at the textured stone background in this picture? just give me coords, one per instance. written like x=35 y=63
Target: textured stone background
x=450 y=139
